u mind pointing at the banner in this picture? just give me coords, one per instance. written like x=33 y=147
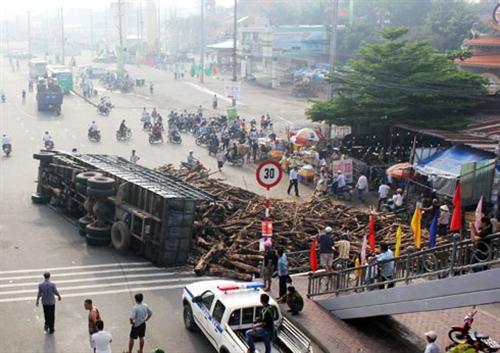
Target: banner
x=232 y=89
x=344 y=165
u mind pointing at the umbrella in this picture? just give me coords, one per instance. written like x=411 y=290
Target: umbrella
x=400 y=171
x=304 y=136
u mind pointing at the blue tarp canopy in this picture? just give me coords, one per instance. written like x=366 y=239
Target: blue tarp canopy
x=448 y=163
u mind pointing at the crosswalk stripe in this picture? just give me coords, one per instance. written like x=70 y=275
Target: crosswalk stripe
x=117 y=264
x=35 y=284
x=105 y=285
x=90 y=294
x=67 y=274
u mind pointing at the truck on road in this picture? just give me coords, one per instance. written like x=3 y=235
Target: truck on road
x=224 y=310
x=49 y=95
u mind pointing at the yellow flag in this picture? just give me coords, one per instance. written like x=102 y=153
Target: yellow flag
x=416 y=226
x=357 y=265
x=398 y=241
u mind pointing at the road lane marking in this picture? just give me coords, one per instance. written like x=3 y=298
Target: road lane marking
x=90 y=294
x=125 y=270
x=107 y=285
x=40 y=270
x=90 y=279
x=211 y=93
x=285 y=120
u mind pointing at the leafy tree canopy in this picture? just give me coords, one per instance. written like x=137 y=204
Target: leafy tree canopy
x=400 y=82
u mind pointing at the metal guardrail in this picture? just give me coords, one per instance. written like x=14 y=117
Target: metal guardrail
x=453 y=259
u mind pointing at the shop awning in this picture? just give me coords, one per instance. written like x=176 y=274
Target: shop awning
x=448 y=163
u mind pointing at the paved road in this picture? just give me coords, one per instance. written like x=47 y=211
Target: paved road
x=35 y=238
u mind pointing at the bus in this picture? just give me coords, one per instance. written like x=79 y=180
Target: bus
x=63 y=75
x=37 y=68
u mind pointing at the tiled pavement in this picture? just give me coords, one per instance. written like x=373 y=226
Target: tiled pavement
x=399 y=333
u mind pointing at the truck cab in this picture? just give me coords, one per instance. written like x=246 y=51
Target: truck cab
x=224 y=310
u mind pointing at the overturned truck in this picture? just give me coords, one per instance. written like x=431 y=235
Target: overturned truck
x=118 y=202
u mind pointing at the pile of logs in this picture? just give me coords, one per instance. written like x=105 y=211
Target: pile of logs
x=227 y=232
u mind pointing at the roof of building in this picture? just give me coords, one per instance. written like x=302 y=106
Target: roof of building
x=483 y=135
x=485 y=41
x=491 y=61
x=227 y=44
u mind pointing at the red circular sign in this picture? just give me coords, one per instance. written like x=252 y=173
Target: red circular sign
x=269 y=174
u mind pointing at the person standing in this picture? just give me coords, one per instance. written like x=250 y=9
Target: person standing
x=101 y=340
x=263 y=329
x=140 y=314
x=431 y=346
x=362 y=187
x=294 y=181
x=47 y=291
x=386 y=258
x=443 y=220
x=344 y=247
x=221 y=158
x=134 y=158
x=269 y=264
x=326 y=243
x=383 y=193
x=283 y=275
x=94 y=316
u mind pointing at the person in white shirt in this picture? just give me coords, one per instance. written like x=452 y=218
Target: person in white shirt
x=5 y=140
x=93 y=127
x=340 y=180
x=397 y=199
x=431 y=346
x=134 y=158
x=294 y=181
x=101 y=340
x=46 y=137
x=362 y=187
x=383 y=192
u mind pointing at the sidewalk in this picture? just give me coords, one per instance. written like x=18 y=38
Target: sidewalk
x=397 y=333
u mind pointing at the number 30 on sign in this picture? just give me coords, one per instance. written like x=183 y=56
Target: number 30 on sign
x=269 y=174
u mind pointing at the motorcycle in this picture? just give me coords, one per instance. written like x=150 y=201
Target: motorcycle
x=104 y=110
x=212 y=149
x=463 y=334
x=202 y=140
x=49 y=145
x=7 y=148
x=237 y=160
x=146 y=126
x=400 y=212
x=175 y=138
x=197 y=167
x=155 y=138
x=123 y=135
x=94 y=136
x=345 y=194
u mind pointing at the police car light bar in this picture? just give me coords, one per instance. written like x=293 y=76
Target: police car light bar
x=236 y=286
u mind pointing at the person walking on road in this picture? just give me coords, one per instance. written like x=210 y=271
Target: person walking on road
x=140 y=314
x=221 y=158
x=134 y=158
x=362 y=187
x=23 y=96
x=94 y=316
x=431 y=346
x=283 y=275
x=383 y=193
x=47 y=291
x=294 y=181
x=101 y=340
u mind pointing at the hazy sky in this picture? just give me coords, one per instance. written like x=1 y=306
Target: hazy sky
x=24 y=5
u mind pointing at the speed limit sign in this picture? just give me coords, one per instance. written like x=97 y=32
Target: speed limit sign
x=269 y=174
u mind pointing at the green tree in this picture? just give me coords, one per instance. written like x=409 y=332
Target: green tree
x=400 y=81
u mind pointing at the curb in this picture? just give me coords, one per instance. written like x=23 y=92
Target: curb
x=307 y=332
x=84 y=98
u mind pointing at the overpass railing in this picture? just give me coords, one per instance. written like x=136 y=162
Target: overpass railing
x=454 y=259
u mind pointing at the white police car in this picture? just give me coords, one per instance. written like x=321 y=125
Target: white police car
x=223 y=310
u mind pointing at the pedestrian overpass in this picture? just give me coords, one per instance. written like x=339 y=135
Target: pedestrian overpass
x=458 y=274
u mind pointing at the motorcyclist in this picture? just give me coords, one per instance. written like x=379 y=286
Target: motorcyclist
x=144 y=113
x=46 y=138
x=122 y=130
x=174 y=132
x=156 y=132
x=200 y=110
x=147 y=120
x=191 y=161
x=151 y=87
x=93 y=129
x=214 y=102
x=23 y=95
x=154 y=113
x=5 y=141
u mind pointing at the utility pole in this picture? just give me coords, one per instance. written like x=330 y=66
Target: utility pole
x=159 y=27
x=29 y=33
x=202 y=44
x=333 y=53
x=62 y=35
x=120 y=24
x=91 y=31
x=235 y=38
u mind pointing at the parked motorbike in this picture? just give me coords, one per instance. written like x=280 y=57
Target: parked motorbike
x=94 y=136
x=49 y=145
x=7 y=148
x=175 y=138
x=155 y=139
x=464 y=334
x=123 y=135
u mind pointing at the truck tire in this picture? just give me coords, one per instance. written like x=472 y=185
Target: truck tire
x=189 y=318
x=97 y=241
x=101 y=192
x=83 y=177
x=120 y=236
x=43 y=156
x=96 y=232
x=85 y=221
x=81 y=188
x=40 y=199
x=101 y=182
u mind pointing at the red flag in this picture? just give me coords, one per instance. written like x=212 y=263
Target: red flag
x=456 y=218
x=371 y=234
x=313 y=259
